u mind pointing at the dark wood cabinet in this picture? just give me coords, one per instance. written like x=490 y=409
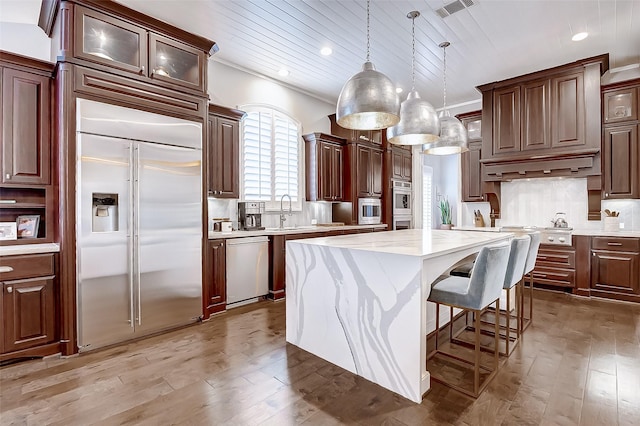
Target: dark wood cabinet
x=472 y=173
x=620 y=139
x=224 y=152
x=324 y=160
x=615 y=267
x=506 y=125
x=535 y=115
x=555 y=266
x=544 y=124
x=26 y=127
x=471 y=167
x=215 y=294
x=568 y=127
x=106 y=39
x=621 y=162
x=368 y=171
x=27 y=186
x=401 y=163
x=28 y=304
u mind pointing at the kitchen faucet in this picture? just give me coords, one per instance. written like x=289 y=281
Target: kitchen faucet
x=282 y=218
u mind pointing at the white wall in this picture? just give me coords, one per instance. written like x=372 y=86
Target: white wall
x=232 y=87
x=25 y=39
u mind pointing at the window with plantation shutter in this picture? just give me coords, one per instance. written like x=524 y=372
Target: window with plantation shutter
x=270 y=157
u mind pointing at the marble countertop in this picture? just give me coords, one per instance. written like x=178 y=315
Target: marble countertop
x=412 y=242
x=584 y=232
x=29 y=249
x=293 y=230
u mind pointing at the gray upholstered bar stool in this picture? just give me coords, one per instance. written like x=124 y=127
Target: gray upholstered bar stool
x=528 y=270
x=515 y=272
x=475 y=294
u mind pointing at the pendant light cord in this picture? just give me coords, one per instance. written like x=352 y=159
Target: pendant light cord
x=413 y=53
x=444 y=100
x=368 y=36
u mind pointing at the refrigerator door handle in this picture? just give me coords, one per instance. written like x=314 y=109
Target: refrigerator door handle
x=137 y=230
x=130 y=236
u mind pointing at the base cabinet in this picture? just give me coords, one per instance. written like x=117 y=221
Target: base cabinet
x=28 y=305
x=555 y=266
x=215 y=291
x=615 y=268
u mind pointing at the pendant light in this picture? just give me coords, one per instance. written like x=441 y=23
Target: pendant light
x=453 y=135
x=368 y=100
x=419 y=122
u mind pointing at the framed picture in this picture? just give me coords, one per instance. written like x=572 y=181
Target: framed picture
x=8 y=231
x=28 y=226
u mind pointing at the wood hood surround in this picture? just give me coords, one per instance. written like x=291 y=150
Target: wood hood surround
x=544 y=124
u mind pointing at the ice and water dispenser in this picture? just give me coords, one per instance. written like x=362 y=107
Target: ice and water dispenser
x=104 y=213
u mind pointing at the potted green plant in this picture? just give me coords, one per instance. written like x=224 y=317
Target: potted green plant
x=445 y=214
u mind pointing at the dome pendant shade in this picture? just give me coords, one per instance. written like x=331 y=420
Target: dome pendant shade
x=453 y=137
x=368 y=101
x=419 y=123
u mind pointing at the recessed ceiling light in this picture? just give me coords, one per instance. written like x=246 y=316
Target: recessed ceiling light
x=283 y=72
x=398 y=89
x=580 y=36
x=326 y=51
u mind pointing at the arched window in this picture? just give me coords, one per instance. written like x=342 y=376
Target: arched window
x=271 y=157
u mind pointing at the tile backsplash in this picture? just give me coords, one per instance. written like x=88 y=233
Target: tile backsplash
x=536 y=201
x=319 y=211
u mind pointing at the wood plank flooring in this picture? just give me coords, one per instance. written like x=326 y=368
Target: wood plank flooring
x=578 y=364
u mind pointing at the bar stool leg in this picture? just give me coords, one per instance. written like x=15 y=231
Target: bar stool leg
x=476 y=367
x=450 y=323
x=496 y=342
x=437 y=323
x=508 y=319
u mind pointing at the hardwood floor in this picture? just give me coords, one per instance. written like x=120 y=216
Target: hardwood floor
x=579 y=363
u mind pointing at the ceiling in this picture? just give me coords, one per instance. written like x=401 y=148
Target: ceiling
x=490 y=41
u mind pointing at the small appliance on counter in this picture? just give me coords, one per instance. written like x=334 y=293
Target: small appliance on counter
x=250 y=215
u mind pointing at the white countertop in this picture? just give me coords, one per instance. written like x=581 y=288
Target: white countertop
x=600 y=233
x=29 y=249
x=294 y=230
x=423 y=243
x=584 y=232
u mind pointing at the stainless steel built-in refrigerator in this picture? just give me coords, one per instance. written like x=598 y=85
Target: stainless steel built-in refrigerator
x=139 y=223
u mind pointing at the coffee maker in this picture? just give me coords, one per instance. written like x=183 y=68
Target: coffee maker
x=250 y=215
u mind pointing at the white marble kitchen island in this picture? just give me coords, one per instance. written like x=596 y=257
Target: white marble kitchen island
x=360 y=301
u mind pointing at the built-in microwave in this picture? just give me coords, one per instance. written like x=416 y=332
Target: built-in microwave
x=402 y=201
x=369 y=211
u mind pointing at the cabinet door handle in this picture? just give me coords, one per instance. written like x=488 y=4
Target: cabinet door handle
x=606 y=194
x=614 y=244
x=8 y=176
x=9 y=289
x=5 y=269
x=142 y=69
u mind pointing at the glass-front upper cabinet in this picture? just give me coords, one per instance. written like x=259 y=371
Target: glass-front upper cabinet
x=620 y=105
x=114 y=42
x=175 y=62
x=110 y=41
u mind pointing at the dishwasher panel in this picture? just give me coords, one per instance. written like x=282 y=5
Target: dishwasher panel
x=247 y=269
